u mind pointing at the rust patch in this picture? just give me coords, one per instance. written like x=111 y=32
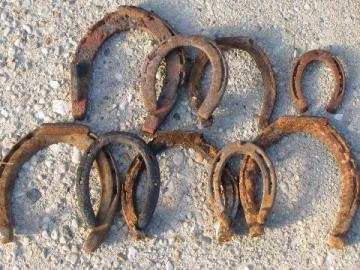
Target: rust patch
x=297 y=72
x=125 y=18
x=321 y=129
x=218 y=81
x=169 y=139
x=262 y=62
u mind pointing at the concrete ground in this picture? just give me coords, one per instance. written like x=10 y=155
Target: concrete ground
x=36 y=43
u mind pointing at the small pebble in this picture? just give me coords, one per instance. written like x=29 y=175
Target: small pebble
x=76 y=156
x=54 y=235
x=73 y=258
x=27 y=28
x=338 y=116
x=62 y=240
x=284 y=187
x=45 y=234
x=61 y=107
x=54 y=84
x=74 y=249
x=4 y=113
x=75 y=224
x=132 y=252
x=7 y=31
x=176 y=255
x=33 y=195
x=178 y=159
x=169 y=266
x=118 y=77
x=295 y=53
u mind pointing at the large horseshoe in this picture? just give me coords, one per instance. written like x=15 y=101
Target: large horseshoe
x=262 y=62
x=125 y=18
x=218 y=79
x=48 y=134
x=321 y=129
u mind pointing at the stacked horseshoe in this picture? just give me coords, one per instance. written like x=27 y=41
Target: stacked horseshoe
x=225 y=191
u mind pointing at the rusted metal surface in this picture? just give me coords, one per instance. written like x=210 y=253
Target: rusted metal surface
x=262 y=61
x=297 y=72
x=255 y=218
x=48 y=134
x=152 y=184
x=321 y=129
x=218 y=80
x=169 y=139
x=125 y=18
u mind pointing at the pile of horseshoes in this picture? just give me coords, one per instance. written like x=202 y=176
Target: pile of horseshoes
x=225 y=190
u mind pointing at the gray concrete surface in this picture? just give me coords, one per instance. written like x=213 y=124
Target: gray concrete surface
x=36 y=43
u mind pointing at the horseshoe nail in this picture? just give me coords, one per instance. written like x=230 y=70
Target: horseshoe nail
x=321 y=129
x=297 y=72
x=218 y=81
x=254 y=218
x=262 y=62
x=125 y=18
x=42 y=137
x=169 y=139
x=152 y=168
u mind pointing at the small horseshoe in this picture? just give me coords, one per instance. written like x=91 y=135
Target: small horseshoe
x=297 y=72
x=153 y=175
x=42 y=137
x=125 y=18
x=255 y=218
x=262 y=62
x=218 y=80
x=321 y=129
x=162 y=141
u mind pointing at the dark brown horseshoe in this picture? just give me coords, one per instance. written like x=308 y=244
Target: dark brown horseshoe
x=168 y=139
x=262 y=62
x=48 y=134
x=152 y=169
x=123 y=19
x=254 y=218
x=297 y=72
x=321 y=129
x=218 y=80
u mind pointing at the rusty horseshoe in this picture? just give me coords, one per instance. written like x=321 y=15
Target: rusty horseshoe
x=218 y=80
x=297 y=72
x=42 y=137
x=321 y=129
x=123 y=19
x=262 y=62
x=168 y=139
x=152 y=184
x=254 y=218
